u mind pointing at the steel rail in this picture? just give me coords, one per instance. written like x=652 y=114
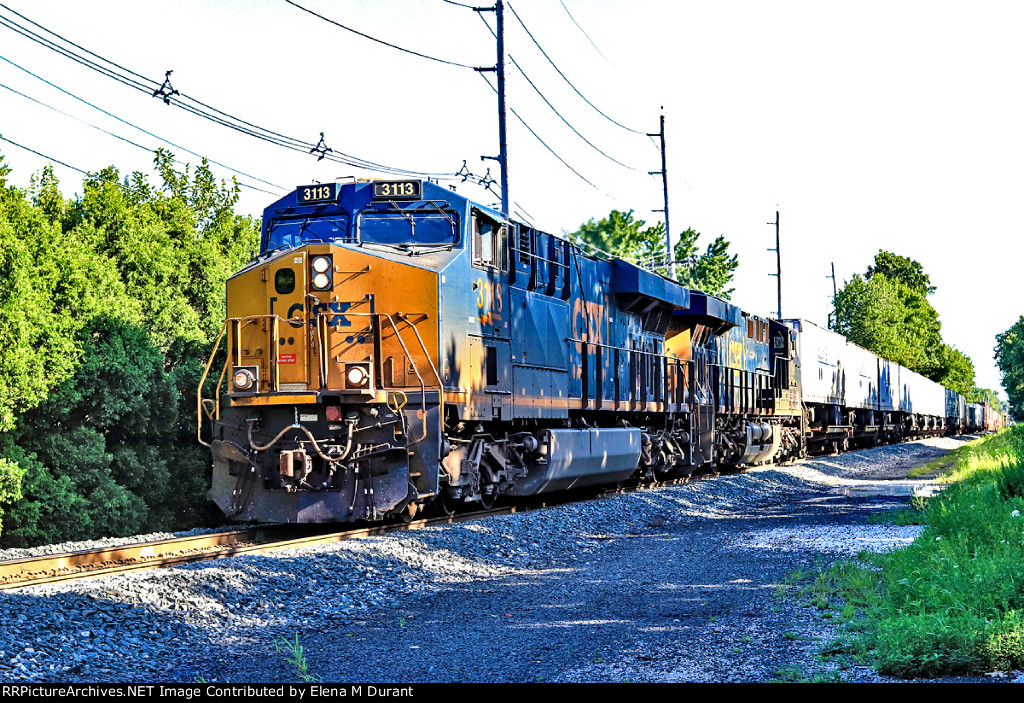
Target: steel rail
x=105 y=561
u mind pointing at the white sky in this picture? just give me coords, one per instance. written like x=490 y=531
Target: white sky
x=894 y=125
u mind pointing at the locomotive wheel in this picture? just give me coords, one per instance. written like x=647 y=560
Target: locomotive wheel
x=446 y=505
x=487 y=499
x=407 y=513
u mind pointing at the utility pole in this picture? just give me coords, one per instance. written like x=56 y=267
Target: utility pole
x=499 y=68
x=778 y=262
x=664 y=186
x=835 y=315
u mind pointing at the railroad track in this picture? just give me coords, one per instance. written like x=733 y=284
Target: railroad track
x=104 y=561
x=53 y=568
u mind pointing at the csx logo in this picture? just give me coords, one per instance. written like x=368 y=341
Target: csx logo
x=335 y=320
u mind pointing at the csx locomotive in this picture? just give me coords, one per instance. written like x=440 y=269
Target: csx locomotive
x=395 y=345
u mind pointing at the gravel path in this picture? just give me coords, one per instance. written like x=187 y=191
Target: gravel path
x=674 y=584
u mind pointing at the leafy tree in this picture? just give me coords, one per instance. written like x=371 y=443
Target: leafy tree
x=1010 y=360
x=111 y=305
x=901 y=268
x=954 y=369
x=711 y=271
x=888 y=318
x=887 y=311
x=623 y=236
x=11 y=475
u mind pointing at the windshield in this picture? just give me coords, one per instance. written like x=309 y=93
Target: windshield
x=411 y=228
x=290 y=233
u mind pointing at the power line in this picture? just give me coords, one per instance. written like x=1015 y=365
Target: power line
x=120 y=119
x=138 y=82
x=49 y=158
x=112 y=134
x=585 y=33
x=553 y=109
x=545 y=144
x=374 y=39
x=553 y=65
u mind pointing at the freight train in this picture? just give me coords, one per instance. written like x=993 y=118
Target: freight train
x=395 y=345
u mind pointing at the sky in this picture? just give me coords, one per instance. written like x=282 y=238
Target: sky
x=890 y=125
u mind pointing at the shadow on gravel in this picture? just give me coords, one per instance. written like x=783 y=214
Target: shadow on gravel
x=682 y=602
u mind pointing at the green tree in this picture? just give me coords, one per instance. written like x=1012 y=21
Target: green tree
x=901 y=268
x=1010 y=360
x=954 y=369
x=621 y=235
x=712 y=271
x=887 y=311
x=111 y=305
x=11 y=476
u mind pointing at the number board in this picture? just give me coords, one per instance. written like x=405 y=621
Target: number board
x=389 y=190
x=320 y=193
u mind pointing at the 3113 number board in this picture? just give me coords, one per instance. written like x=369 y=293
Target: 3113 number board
x=319 y=193
x=404 y=190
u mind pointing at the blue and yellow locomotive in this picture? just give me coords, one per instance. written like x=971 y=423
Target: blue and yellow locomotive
x=395 y=345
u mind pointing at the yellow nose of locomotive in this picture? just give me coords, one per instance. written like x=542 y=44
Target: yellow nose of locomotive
x=331 y=387
x=327 y=318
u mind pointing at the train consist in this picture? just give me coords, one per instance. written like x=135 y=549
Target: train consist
x=395 y=345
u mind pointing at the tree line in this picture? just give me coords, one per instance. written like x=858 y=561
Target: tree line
x=109 y=306
x=622 y=235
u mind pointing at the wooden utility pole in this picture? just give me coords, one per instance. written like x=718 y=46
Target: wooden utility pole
x=664 y=187
x=834 y=317
x=499 y=68
x=778 y=262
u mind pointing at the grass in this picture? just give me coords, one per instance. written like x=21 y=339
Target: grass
x=951 y=467
x=952 y=603
x=295 y=656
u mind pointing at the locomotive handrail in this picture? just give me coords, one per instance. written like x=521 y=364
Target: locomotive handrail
x=202 y=382
x=206 y=371
x=670 y=361
x=237 y=322
x=660 y=355
x=398 y=335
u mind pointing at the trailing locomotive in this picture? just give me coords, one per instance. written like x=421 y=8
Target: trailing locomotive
x=395 y=345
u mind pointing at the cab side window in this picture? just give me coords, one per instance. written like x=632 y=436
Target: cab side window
x=489 y=242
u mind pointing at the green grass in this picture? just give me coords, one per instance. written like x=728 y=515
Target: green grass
x=952 y=603
x=296 y=656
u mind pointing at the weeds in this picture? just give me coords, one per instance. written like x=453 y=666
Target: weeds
x=296 y=657
x=951 y=603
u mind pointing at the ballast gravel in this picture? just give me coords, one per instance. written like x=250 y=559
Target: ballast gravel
x=673 y=584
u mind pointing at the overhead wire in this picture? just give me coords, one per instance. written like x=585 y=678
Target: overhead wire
x=379 y=41
x=141 y=83
x=112 y=134
x=566 y=79
x=198 y=108
x=553 y=109
x=545 y=144
x=133 y=126
x=585 y=33
x=49 y=158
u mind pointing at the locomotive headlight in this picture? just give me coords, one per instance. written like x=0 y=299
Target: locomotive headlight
x=244 y=379
x=321 y=266
x=357 y=376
